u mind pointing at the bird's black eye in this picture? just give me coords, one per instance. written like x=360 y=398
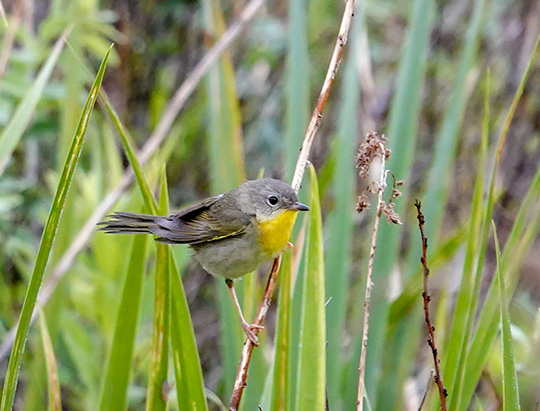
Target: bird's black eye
x=272 y=200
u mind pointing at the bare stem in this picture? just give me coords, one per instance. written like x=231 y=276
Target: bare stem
x=241 y=376
x=316 y=117
x=154 y=141
x=443 y=393
x=369 y=284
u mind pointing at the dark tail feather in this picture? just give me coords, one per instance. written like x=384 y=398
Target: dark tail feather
x=128 y=223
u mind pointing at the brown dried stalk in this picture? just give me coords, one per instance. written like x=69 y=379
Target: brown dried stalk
x=152 y=144
x=241 y=376
x=443 y=393
x=369 y=285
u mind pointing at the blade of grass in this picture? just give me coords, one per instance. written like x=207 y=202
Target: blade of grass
x=522 y=234
x=189 y=379
x=312 y=365
x=117 y=374
x=22 y=116
x=282 y=343
x=157 y=383
x=465 y=295
x=297 y=84
x=340 y=221
x=53 y=383
x=435 y=199
x=226 y=171
x=510 y=384
x=10 y=385
x=188 y=372
x=456 y=397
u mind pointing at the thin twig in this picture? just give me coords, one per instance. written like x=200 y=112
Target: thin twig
x=240 y=381
x=171 y=112
x=315 y=122
x=369 y=284
x=443 y=393
x=241 y=377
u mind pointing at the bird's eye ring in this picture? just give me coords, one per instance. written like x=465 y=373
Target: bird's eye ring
x=272 y=200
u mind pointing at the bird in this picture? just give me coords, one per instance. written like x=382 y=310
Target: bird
x=231 y=234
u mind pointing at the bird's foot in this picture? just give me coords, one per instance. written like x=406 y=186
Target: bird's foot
x=248 y=329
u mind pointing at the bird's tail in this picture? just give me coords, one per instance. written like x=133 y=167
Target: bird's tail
x=128 y=223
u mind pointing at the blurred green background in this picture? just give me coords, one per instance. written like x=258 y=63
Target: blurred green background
x=424 y=73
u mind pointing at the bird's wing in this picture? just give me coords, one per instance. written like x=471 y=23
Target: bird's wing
x=197 y=224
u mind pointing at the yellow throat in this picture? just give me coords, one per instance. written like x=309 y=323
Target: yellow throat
x=274 y=233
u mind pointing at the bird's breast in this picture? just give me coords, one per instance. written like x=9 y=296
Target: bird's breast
x=274 y=233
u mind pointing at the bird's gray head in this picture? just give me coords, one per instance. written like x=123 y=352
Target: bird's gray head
x=269 y=197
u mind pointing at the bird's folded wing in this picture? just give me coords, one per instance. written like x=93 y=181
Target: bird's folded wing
x=198 y=224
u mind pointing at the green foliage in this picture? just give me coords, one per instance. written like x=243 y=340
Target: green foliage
x=10 y=384
x=132 y=326
x=312 y=364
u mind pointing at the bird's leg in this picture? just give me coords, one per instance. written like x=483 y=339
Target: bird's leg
x=248 y=328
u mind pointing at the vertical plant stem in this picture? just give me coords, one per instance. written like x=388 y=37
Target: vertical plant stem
x=240 y=381
x=314 y=124
x=369 y=284
x=316 y=117
x=443 y=393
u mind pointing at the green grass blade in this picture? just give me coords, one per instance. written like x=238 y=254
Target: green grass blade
x=282 y=343
x=522 y=234
x=448 y=136
x=189 y=379
x=456 y=340
x=21 y=118
x=312 y=365
x=129 y=148
x=437 y=188
x=115 y=385
x=340 y=222
x=297 y=84
x=155 y=400
x=185 y=357
x=47 y=240
x=53 y=383
x=226 y=172
x=457 y=397
x=510 y=384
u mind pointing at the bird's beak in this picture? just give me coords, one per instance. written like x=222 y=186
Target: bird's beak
x=298 y=206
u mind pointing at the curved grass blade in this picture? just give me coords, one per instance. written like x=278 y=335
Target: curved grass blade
x=188 y=372
x=185 y=357
x=297 y=87
x=53 y=383
x=117 y=374
x=22 y=116
x=157 y=383
x=282 y=351
x=457 y=397
x=437 y=187
x=312 y=365
x=226 y=172
x=464 y=297
x=510 y=384
x=47 y=240
x=340 y=222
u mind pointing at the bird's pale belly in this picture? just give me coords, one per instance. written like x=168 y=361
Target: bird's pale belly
x=234 y=257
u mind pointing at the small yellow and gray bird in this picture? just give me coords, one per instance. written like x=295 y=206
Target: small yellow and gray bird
x=231 y=234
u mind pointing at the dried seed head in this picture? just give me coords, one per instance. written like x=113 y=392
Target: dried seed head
x=371 y=147
x=362 y=203
x=390 y=214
